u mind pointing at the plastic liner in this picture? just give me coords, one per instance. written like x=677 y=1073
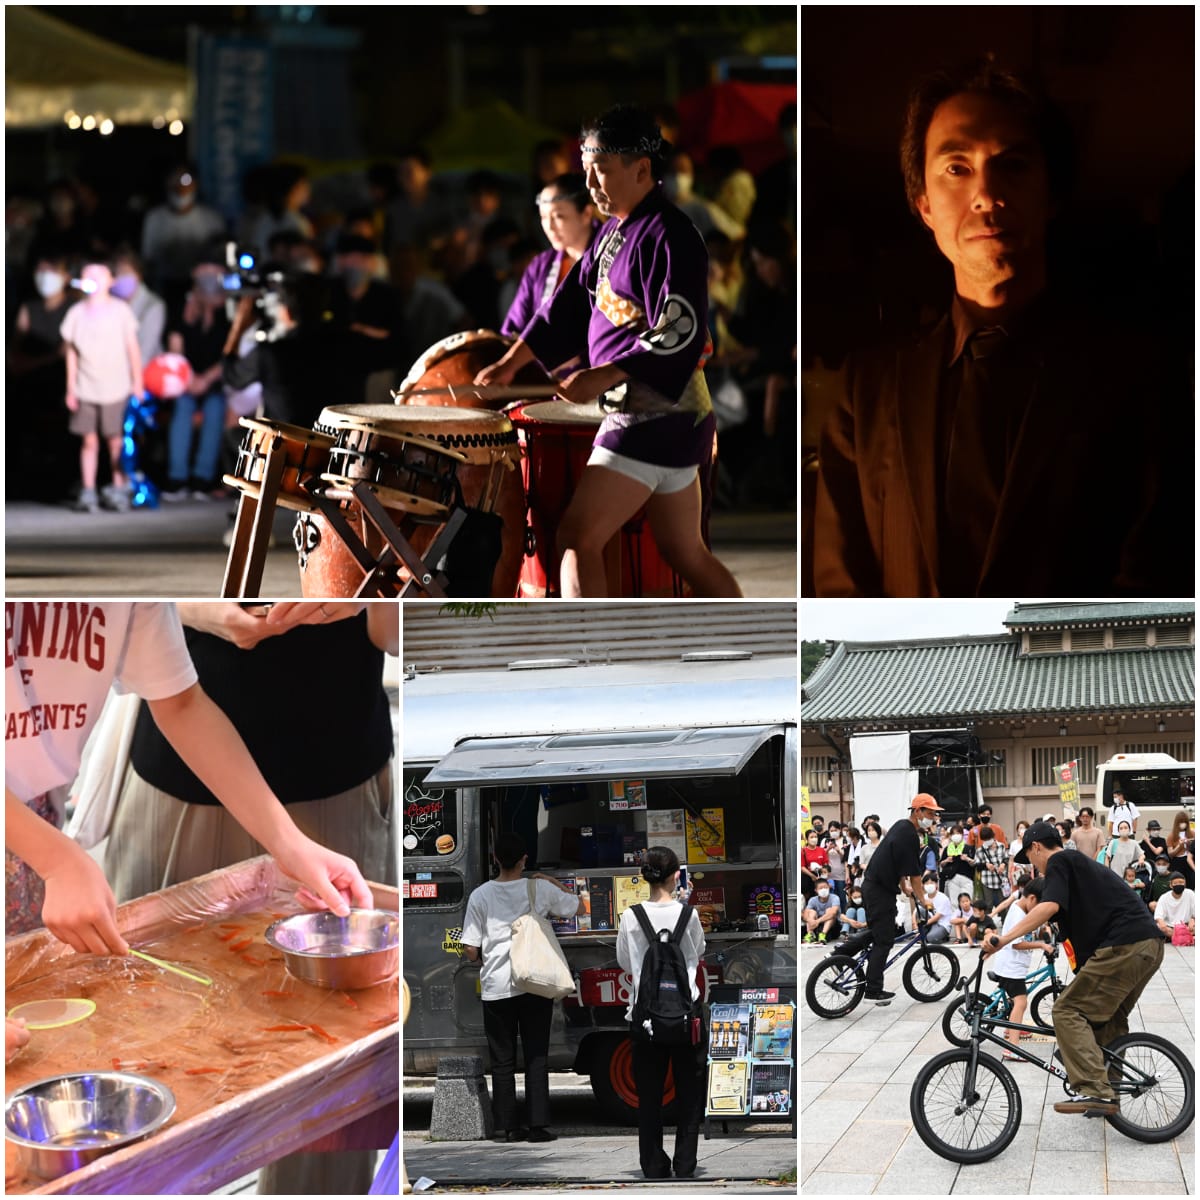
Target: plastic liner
x=260 y=1063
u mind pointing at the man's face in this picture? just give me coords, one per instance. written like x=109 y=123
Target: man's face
x=987 y=197
x=1085 y=819
x=616 y=187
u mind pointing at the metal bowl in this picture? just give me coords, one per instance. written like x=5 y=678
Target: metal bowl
x=64 y=1122
x=351 y=952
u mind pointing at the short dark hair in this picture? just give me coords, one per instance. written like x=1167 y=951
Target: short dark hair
x=661 y=863
x=627 y=125
x=571 y=187
x=509 y=850
x=1089 y=812
x=986 y=833
x=1033 y=887
x=964 y=895
x=984 y=76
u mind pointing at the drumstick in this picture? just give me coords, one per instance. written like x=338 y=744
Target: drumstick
x=483 y=392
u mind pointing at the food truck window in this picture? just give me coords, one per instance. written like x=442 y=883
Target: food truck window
x=728 y=828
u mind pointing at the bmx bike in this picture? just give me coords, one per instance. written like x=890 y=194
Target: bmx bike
x=966 y=1106
x=956 y=1024
x=837 y=984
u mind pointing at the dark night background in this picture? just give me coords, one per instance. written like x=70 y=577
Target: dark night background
x=1123 y=75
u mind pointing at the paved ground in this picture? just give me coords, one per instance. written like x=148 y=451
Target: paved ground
x=752 y=1159
x=175 y=551
x=855 y=1077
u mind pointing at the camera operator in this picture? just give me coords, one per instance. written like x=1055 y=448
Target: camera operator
x=293 y=359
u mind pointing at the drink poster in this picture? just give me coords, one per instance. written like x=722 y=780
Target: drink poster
x=728 y=1088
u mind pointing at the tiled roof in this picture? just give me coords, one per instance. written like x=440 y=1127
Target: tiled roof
x=986 y=676
x=1104 y=614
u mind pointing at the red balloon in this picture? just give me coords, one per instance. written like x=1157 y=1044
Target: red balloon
x=167 y=376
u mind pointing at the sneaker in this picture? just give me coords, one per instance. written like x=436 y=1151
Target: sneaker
x=115 y=499
x=87 y=501
x=1009 y=1056
x=810 y=937
x=880 y=997
x=820 y=939
x=174 y=492
x=539 y=1133
x=1087 y=1105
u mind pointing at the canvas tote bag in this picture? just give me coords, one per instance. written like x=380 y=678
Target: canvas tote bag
x=538 y=963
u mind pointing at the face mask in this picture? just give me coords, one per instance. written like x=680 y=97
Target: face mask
x=179 y=201
x=956 y=837
x=1177 y=889
x=1123 y=833
x=49 y=283
x=926 y=822
x=355 y=277
x=856 y=899
x=930 y=889
x=1162 y=870
x=308 y=266
x=822 y=892
x=124 y=286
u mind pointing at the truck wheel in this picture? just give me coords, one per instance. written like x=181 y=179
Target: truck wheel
x=613 y=1086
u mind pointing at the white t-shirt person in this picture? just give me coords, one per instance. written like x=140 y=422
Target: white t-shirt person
x=1012 y=962
x=632 y=945
x=1125 y=811
x=1173 y=910
x=60 y=660
x=491 y=911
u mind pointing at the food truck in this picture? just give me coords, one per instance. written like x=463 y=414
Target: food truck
x=592 y=764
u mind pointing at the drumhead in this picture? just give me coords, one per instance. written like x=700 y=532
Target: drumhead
x=428 y=422
x=447 y=346
x=558 y=412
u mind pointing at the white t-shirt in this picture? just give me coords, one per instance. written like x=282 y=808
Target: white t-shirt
x=99 y=331
x=60 y=660
x=1176 y=912
x=632 y=945
x=1123 y=812
x=1012 y=962
x=942 y=906
x=491 y=911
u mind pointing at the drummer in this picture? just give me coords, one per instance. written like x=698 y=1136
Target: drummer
x=636 y=309
x=569 y=223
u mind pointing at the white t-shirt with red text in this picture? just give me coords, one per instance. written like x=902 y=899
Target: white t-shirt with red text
x=60 y=660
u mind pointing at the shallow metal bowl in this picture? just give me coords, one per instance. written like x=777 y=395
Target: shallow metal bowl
x=351 y=952
x=64 y=1122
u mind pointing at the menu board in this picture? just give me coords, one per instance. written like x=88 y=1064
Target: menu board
x=771 y=1088
x=706 y=836
x=630 y=889
x=429 y=820
x=709 y=903
x=566 y=924
x=728 y=1030
x=600 y=889
x=665 y=827
x=751 y=1052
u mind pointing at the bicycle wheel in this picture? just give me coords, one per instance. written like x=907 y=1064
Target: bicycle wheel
x=956 y=1025
x=835 y=986
x=1160 y=1112
x=931 y=973
x=965 y=1126
x=1041 y=1008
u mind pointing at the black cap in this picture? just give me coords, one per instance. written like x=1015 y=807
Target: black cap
x=1039 y=831
x=1153 y=825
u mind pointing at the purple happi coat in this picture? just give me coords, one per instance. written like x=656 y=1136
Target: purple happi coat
x=638 y=300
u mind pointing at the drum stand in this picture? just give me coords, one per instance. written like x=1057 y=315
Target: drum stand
x=252 y=529
x=381 y=574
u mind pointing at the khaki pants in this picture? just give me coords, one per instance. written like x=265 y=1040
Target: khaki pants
x=1095 y=1008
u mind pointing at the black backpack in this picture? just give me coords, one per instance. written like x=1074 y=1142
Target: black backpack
x=662 y=1012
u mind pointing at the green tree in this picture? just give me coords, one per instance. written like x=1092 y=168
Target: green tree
x=811 y=654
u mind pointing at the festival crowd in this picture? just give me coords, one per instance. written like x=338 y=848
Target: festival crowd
x=98 y=288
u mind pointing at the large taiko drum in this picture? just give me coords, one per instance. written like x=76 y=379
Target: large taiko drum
x=556 y=440
x=415 y=461
x=305 y=455
x=455 y=361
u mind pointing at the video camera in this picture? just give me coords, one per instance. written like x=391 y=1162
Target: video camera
x=245 y=277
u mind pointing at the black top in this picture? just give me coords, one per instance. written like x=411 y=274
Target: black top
x=298 y=373
x=1096 y=907
x=899 y=854
x=309 y=704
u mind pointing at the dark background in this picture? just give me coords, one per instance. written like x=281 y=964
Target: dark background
x=1124 y=240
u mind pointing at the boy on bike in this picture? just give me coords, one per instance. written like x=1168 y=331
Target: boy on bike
x=1117 y=949
x=1012 y=963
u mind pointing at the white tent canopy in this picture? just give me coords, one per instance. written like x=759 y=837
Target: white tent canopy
x=52 y=69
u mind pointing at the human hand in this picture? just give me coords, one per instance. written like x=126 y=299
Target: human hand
x=330 y=881
x=310 y=612
x=245 y=629
x=499 y=374
x=16 y=1037
x=72 y=402
x=79 y=908
x=990 y=945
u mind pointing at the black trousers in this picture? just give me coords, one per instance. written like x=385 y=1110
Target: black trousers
x=881 y=919
x=650 y=1076
x=529 y=1016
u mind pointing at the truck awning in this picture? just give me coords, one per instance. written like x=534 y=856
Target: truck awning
x=586 y=757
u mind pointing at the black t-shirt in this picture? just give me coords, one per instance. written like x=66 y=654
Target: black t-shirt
x=309 y=704
x=899 y=854
x=1096 y=907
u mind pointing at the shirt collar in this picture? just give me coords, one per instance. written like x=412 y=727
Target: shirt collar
x=964 y=325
